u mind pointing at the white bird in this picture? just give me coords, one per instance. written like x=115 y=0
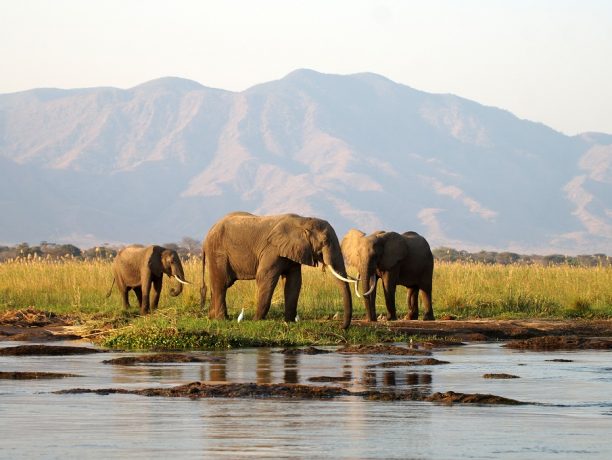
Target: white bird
x=241 y=316
x=297 y=318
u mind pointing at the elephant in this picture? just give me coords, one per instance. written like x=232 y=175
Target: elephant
x=404 y=260
x=243 y=246
x=137 y=267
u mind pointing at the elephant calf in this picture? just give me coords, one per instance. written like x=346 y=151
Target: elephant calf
x=138 y=267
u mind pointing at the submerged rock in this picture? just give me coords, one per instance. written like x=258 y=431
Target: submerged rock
x=156 y=358
x=197 y=390
x=16 y=375
x=329 y=378
x=47 y=350
x=451 y=397
x=500 y=376
x=303 y=351
x=381 y=349
x=419 y=362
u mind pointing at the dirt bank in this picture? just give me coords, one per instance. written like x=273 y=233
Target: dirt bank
x=39 y=326
x=571 y=342
x=32 y=325
x=490 y=329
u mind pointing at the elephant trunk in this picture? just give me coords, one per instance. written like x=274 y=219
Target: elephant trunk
x=367 y=277
x=177 y=272
x=334 y=260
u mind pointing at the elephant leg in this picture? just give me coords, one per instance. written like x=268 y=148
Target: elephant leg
x=157 y=287
x=146 y=291
x=370 y=304
x=412 y=299
x=389 y=286
x=266 y=283
x=219 y=306
x=138 y=292
x=218 y=290
x=293 y=284
x=428 y=314
x=220 y=281
x=124 y=290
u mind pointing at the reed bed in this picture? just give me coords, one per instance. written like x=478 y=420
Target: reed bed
x=462 y=290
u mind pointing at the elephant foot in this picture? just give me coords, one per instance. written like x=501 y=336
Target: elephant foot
x=391 y=317
x=371 y=320
x=213 y=315
x=413 y=315
x=429 y=316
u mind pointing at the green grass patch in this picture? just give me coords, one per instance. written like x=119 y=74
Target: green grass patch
x=463 y=290
x=161 y=333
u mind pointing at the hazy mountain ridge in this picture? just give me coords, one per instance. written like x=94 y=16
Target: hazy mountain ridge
x=166 y=158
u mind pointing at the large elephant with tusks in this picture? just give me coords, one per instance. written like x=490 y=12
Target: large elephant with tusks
x=243 y=246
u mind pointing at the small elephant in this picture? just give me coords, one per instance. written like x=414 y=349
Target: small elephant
x=242 y=246
x=404 y=260
x=137 y=267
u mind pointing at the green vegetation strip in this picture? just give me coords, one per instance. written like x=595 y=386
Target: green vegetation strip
x=157 y=333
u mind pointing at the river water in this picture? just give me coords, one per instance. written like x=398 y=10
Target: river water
x=572 y=420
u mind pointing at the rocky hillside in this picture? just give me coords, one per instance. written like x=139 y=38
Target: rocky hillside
x=167 y=158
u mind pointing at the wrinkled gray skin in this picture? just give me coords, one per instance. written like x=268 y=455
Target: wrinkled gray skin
x=242 y=246
x=139 y=268
x=404 y=260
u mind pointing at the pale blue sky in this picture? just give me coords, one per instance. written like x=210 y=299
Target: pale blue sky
x=549 y=60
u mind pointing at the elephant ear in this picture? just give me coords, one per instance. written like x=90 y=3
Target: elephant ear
x=292 y=242
x=155 y=262
x=350 y=246
x=394 y=250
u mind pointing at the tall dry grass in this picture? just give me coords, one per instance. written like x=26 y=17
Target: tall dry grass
x=461 y=290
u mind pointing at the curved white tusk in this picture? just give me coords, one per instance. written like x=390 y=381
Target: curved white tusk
x=357 y=290
x=346 y=280
x=181 y=281
x=371 y=289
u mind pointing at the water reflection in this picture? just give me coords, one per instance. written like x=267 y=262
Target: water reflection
x=574 y=420
x=290 y=368
x=264 y=368
x=418 y=378
x=389 y=378
x=217 y=372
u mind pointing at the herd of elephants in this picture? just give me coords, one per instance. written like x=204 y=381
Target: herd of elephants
x=243 y=246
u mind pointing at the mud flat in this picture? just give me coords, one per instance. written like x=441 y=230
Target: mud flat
x=158 y=358
x=47 y=350
x=198 y=390
x=489 y=329
x=304 y=351
x=32 y=325
x=16 y=375
x=418 y=362
x=382 y=349
x=572 y=342
x=500 y=376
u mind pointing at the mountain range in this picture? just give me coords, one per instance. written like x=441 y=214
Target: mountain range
x=169 y=157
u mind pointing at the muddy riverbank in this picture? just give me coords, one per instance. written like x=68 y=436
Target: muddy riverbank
x=32 y=325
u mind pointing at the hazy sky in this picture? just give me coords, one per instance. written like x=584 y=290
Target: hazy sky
x=547 y=61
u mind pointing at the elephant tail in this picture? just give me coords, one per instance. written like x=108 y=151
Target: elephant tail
x=203 y=290
x=108 y=294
